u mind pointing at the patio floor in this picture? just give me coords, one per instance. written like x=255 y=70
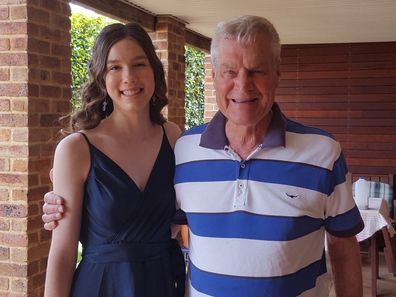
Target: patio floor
x=386 y=285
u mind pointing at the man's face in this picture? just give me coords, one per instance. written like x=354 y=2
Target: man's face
x=245 y=81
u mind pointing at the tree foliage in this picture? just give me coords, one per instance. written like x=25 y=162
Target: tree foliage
x=84 y=30
x=194 y=86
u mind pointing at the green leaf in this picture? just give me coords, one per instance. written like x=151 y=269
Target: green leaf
x=84 y=30
x=194 y=86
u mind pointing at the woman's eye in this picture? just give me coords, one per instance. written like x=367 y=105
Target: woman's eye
x=115 y=67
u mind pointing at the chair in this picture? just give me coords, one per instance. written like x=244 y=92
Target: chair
x=381 y=186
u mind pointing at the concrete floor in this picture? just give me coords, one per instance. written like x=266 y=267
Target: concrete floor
x=386 y=285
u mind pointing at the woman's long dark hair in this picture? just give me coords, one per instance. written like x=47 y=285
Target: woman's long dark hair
x=94 y=93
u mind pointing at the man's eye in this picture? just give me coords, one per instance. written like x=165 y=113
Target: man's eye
x=229 y=72
x=260 y=72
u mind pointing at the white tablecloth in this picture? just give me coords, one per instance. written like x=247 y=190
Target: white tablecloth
x=374 y=220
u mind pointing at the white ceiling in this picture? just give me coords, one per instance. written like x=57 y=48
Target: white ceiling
x=297 y=21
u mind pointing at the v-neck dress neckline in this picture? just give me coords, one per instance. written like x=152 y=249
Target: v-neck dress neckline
x=117 y=167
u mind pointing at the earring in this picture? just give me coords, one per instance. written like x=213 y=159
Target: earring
x=153 y=99
x=104 y=105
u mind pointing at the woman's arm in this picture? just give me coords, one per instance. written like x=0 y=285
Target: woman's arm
x=71 y=165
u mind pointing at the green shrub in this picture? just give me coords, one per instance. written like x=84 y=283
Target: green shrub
x=84 y=30
x=194 y=86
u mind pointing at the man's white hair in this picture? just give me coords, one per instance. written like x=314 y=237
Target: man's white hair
x=244 y=30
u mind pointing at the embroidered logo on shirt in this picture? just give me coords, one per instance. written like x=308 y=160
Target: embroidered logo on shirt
x=292 y=196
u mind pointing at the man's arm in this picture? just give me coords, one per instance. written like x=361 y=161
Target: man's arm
x=346 y=265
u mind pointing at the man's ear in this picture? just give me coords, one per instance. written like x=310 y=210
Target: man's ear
x=278 y=77
x=214 y=77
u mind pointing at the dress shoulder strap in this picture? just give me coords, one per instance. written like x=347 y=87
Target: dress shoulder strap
x=86 y=137
x=163 y=128
x=165 y=136
x=89 y=148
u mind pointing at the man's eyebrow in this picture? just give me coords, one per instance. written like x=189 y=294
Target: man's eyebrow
x=227 y=65
x=259 y=67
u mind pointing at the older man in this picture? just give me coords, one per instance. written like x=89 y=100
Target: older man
x=260 y=191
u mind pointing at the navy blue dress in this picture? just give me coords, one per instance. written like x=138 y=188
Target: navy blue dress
x=125 y=233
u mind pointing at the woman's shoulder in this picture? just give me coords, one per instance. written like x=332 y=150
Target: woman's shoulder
x=76 y=138
x=173 y=132
x=75 y=144
x=72 y=155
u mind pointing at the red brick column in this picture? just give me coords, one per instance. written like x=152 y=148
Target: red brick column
x=169 y=40
x=34 y=91
x=210 y=94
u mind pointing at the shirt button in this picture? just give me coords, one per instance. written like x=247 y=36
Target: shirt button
x=243 y=165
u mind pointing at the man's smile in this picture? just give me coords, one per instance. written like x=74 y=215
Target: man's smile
x=243 y=101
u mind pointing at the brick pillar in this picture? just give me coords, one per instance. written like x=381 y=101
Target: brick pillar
x=169 y=41
x=210 y=107
x=34 y=90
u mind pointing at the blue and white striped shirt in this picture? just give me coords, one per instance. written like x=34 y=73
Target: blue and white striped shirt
x=257 y=226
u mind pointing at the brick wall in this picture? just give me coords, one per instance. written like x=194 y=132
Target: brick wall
x=210 y=94
x=34 y=91
x=169 y=40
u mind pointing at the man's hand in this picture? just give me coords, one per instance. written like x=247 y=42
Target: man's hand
x=53 y=209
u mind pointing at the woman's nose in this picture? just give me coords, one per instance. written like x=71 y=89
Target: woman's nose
x=128 y=76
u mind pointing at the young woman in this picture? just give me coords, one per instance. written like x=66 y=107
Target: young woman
x=115 y=172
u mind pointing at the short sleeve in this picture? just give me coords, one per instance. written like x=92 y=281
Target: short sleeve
x=342 y=217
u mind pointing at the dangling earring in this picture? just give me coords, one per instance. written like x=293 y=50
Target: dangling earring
x=153 y=99
x=104 y=105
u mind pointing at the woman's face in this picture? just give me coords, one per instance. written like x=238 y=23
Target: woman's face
x=129 y=77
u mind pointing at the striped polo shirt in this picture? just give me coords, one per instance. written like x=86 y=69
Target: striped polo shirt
x=257 y=226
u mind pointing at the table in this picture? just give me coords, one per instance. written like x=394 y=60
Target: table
x=377 y=221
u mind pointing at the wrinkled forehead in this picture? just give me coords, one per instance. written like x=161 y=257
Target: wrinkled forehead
x=247 y=38
x=258 y=48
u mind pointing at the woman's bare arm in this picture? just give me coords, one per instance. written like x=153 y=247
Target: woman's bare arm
x=71 y=165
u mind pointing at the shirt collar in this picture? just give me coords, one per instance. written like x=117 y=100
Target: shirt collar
x=214 y=136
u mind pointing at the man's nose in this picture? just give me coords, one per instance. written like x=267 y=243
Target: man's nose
x=243 y=81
